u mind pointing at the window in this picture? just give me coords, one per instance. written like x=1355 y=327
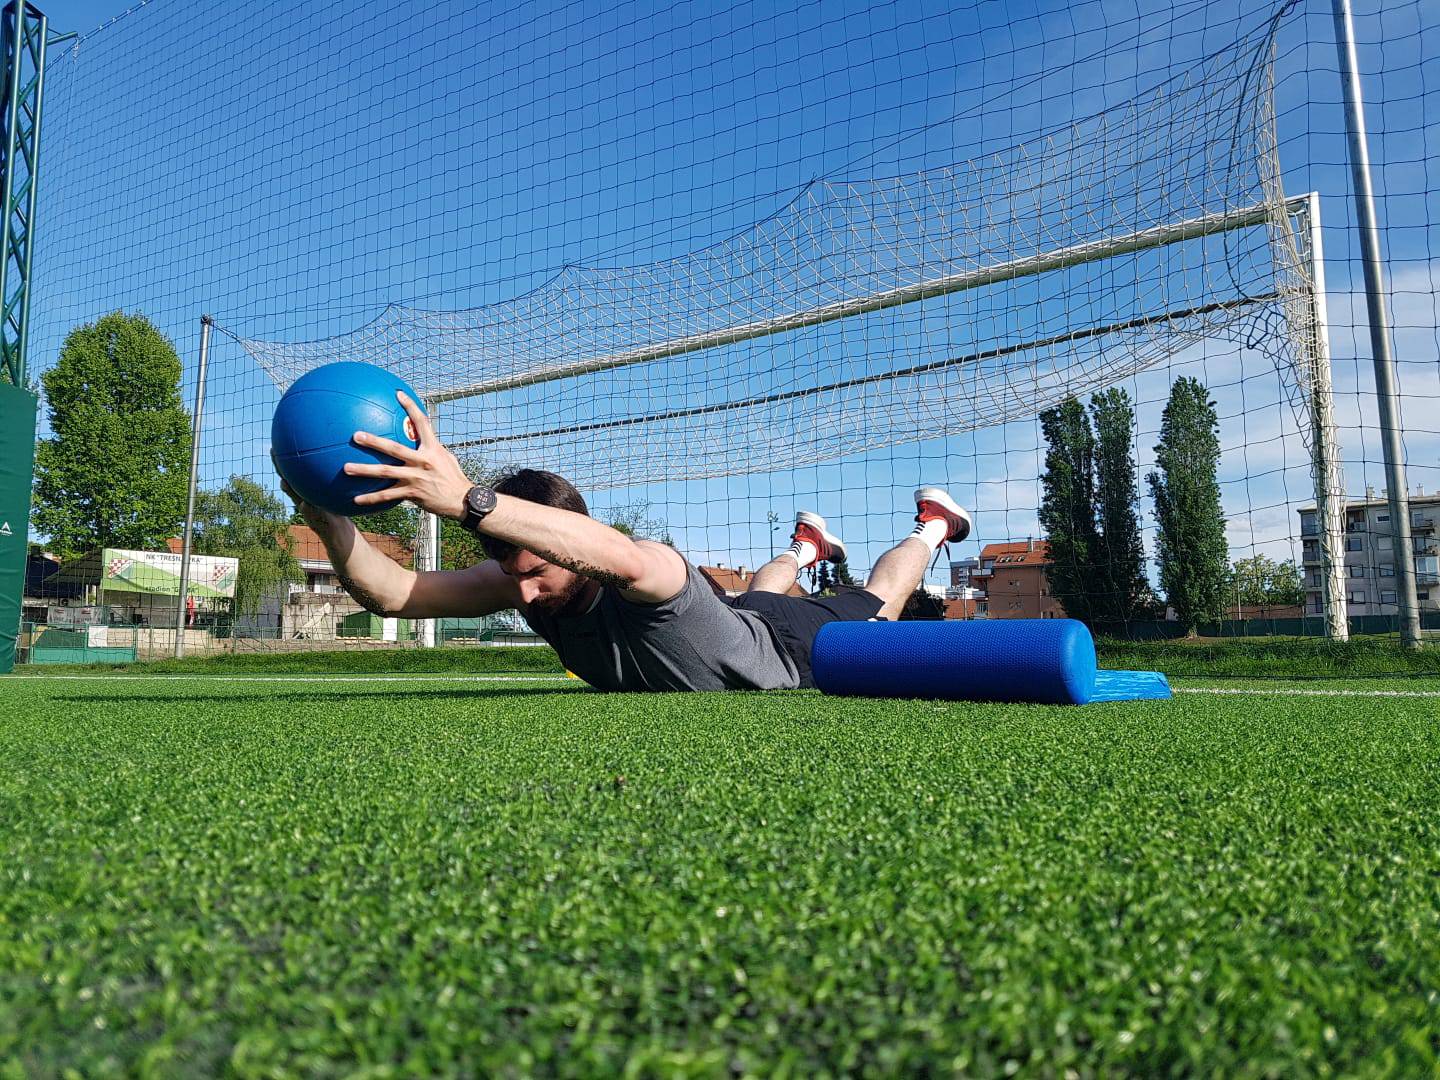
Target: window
x=1382 y=517
x=1357 y=598
x=1354 y=543
x=1357 y=571
x=1387 y=597
x=1422 y=594
x=1314 y=580
x=1307 y=525
x=1317 y=606
x=1386 y=570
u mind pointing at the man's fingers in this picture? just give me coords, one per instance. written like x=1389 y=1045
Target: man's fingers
x=388 y=446
x=390 y=494
x=423 y=430
x=388 y=472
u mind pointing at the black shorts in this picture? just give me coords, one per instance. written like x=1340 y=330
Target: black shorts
x=797 y=619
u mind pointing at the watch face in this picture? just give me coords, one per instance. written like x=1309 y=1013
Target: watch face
x=480 y=500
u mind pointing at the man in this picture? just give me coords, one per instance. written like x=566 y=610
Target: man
x=622 y=614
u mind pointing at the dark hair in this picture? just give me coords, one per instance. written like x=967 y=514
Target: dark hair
x=537 y=486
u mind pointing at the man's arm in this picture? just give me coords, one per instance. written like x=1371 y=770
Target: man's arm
x=431 y=478
x=380 y=585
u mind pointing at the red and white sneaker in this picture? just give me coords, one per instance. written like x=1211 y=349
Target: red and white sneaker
x=935 y=503
x=811 y=527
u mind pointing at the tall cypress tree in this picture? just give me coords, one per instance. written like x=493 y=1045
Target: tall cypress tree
x=1193 y=555
x=1067 y=508
x=1120 y=558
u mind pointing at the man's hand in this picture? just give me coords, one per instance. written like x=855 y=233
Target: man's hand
x=428 y=476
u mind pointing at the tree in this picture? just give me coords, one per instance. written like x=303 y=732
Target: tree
x=1120 y=556
x=399 y=521
x=921 y=605
x=459 y=547
x=1067 y=507
x=1287 y=585
x=840 y=570
x=824 y=580
x=1193 y=557
x=116 y=470
x=634 y=520
x=244 y=521
x=1262 y=582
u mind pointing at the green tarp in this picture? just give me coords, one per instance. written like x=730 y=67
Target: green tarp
x=17 y=467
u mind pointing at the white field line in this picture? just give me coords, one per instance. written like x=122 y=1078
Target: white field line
x=1294 y=692
x=294 y=678
x=417 y=678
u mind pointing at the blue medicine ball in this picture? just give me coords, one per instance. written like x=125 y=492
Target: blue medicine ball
x=315 y=422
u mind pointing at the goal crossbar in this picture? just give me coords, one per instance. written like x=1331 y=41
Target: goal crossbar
x=1057 y=259
x=1068 y=336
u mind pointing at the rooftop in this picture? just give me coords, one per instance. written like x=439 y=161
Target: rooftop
x=729 y=579
x=1018 y=553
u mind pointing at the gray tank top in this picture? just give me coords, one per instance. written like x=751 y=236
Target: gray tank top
x=694 y=641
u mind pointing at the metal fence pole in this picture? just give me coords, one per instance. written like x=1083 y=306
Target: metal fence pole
x=206 y=322
x=1386 y=390
x=427 y=548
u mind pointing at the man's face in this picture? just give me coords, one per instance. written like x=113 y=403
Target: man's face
x=544 y=585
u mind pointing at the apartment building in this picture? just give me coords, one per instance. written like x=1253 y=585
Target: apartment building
x=1370 y=555
x=1012 y=576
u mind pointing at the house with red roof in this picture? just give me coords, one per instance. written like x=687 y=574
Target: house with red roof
x=1013 y=577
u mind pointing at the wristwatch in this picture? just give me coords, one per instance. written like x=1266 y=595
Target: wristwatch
x=479 y=501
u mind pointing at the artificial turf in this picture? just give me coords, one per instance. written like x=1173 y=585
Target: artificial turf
x=341 y=878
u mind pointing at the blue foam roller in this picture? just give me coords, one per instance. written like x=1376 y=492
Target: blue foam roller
x=1048 y=661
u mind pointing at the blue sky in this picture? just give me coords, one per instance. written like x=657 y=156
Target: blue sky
x=294 y=185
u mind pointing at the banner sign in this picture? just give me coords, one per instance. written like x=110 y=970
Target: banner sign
x=71 y=617
x=157 y=573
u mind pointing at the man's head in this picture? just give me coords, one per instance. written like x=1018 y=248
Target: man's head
x=543 y=584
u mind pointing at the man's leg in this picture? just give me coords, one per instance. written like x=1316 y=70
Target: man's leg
x=810 y=543
x=898 y=573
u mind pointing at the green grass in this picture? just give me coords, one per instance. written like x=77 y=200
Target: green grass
x=1288 y=658
x=1366 y=657
x=390 y=879
x=452 y=660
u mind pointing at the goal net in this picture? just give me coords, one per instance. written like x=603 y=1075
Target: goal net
x=714 y=285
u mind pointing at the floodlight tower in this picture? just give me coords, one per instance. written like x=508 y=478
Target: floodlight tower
x=23 y=35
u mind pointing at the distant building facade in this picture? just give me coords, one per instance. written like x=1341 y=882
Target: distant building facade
x=962 y=574
x=1370 y=556
x=1013 y=577
x=316 y=609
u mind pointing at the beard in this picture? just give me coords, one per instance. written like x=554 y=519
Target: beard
x=560 y=603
